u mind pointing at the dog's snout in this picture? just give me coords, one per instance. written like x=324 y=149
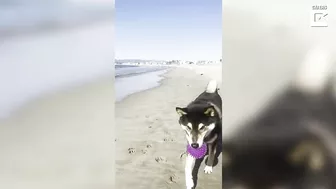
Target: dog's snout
x=194 y=145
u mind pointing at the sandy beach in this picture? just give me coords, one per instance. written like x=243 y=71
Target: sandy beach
x=147 y=125
x=65 y=139
x=62 y=140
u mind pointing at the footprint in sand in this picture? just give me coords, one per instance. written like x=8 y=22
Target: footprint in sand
x=131 y=150
x=144 y=151
x=168 y=140
x=173 y=179
x=160 y=159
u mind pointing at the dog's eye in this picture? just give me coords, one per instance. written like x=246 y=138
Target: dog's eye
x=189 y=126
x=201 y=126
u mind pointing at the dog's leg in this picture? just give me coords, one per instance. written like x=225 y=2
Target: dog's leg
x=211 y=158
x=190 y=161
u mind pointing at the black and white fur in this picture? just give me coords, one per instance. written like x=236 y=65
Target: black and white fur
x=292 y=143
x=202 y=122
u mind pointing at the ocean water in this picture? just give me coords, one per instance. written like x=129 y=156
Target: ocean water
x=72 y=43
x=49 y=45
x=31 y=66
x=133 y=79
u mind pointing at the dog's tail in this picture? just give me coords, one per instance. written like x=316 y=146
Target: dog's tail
x=315 y=72
x=212 y=87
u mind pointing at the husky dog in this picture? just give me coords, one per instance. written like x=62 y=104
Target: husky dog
x=202 y=122
x=292 y=143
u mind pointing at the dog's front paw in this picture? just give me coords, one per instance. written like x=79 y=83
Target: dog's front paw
x=189 y=183
x=207 y=169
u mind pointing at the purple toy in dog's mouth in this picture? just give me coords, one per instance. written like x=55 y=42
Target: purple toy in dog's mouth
x=197 y=152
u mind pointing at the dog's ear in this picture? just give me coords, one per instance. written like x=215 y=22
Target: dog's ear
x=310 y=153
x=181 y=111
x=210 y=111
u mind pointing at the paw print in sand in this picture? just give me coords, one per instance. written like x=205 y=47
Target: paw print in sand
x=168 y=140
x=144 y=151
x=173 y=178
x=131 y=150
x=160 y=159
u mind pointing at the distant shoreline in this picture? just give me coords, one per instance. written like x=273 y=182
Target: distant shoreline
x=135 y=74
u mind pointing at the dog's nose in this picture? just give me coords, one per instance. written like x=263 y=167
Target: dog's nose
x=194 y=145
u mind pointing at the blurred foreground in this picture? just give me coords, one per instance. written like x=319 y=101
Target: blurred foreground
x=57 y=99
x=264 y=46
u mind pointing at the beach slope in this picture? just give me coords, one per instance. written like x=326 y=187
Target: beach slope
x=149 y=138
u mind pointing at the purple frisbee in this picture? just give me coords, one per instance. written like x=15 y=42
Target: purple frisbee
x=197 y=152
